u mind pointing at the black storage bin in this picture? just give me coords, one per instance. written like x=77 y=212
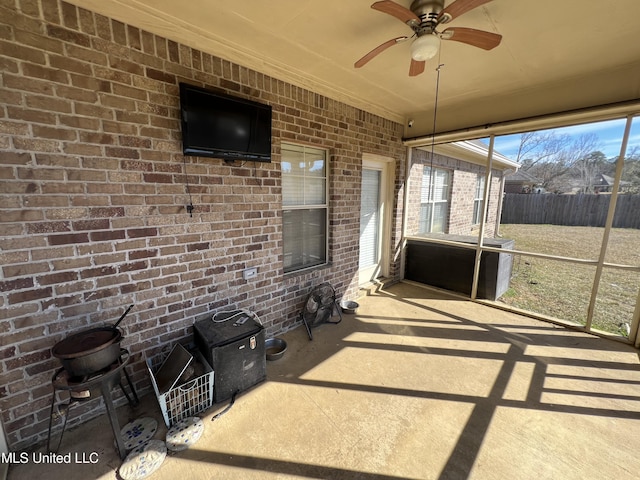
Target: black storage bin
x=451 y=267
x=235 y=350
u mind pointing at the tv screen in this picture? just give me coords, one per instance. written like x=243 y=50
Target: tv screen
x=221 y=126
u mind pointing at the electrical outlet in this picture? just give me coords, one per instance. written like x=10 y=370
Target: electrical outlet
x=249 y=273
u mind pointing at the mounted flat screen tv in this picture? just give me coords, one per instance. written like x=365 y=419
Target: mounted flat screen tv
x=221 y=126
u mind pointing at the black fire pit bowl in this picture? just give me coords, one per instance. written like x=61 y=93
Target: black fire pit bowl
x=89 y=351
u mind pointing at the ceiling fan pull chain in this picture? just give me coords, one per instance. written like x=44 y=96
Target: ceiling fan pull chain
x=433 y=132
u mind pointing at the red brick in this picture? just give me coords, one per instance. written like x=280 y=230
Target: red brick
x=71 y=238
x=121 y=152
x=29 y=295
x=100 y=293
x=160 y=76
x=77 y=149
x=55 y=278
x=11 y=216
x=90 y=83
x=138 y=254
x=98 y=272
x=158 y=178
x=18 y=284
x=132 y=266
x=77 y=94
x=55 y=133
x=69 y=15
x=132 y=117
x=142 y=232
x=45 y=73
x=107 y=236
x=61 y=301
x=67 y=35
x=90 y=201
x=48 y=227
x=96 y=224
x=127 y=141
x=48 y=103
x=87 y=23
x=96 y=111
x=106 y=212
x=198 y=246
x=35 y=116
x=28 y=39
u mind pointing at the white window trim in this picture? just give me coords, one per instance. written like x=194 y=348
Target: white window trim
x=324 y=206
x=431 y=201
x=478 y=200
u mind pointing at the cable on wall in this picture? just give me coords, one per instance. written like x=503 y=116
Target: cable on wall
x=188 y=188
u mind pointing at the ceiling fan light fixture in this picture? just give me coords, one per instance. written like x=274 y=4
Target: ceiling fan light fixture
x=425 y=47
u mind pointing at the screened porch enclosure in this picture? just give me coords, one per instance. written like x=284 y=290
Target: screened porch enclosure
x=583 y=277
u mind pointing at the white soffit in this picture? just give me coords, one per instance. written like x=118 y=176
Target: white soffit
x=555 y=56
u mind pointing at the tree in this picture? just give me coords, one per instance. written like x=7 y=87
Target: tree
x=631 y=169
x=551 y=156
x=538 y=147
x=588 y=168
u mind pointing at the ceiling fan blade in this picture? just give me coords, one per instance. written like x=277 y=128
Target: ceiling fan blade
x=471 y=36
x=459 y=7
x=378 y=50
x=398 y=11
x=416 y=68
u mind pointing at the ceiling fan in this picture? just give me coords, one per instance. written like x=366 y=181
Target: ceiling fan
x=423 y=17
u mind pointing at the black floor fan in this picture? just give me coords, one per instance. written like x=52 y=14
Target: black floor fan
x=319 y=307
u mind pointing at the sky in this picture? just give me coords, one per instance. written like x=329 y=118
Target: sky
x=609 y=137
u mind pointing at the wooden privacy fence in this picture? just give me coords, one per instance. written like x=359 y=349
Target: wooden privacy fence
x=587 y=210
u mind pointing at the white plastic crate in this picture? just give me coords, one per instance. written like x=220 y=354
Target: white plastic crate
x=184 y=400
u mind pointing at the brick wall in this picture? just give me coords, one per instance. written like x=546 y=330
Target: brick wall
x=92 y=207
x=462 y=191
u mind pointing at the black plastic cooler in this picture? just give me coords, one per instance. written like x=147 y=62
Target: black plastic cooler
x=235 y=350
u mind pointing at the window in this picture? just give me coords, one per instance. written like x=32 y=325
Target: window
x=434 y=200
x=304 y=206
x=478 y=200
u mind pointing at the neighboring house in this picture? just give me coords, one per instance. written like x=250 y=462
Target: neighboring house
x=446 y=191
x=601 y=184
x=95 y=189
x=604 y=183
x=521 y=182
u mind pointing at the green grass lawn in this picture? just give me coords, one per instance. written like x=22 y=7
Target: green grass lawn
x=562 y=290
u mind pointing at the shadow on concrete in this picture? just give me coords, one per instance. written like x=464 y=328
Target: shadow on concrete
x=281 y=466
x=519 y=340
x=563 y=366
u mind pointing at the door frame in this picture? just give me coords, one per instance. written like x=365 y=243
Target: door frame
x=387 y=181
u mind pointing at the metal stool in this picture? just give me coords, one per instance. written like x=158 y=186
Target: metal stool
x=105 y=381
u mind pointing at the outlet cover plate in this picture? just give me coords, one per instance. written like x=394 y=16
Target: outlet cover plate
x=249 y=273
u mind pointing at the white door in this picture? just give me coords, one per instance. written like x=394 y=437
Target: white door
x=374 y=203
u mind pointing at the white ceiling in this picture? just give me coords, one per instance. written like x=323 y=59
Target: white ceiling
x=556 y=55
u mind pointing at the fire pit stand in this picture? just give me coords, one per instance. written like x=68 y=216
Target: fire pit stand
x=82 y=388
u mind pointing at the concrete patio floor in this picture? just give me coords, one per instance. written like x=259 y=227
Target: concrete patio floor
x=417 y=385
